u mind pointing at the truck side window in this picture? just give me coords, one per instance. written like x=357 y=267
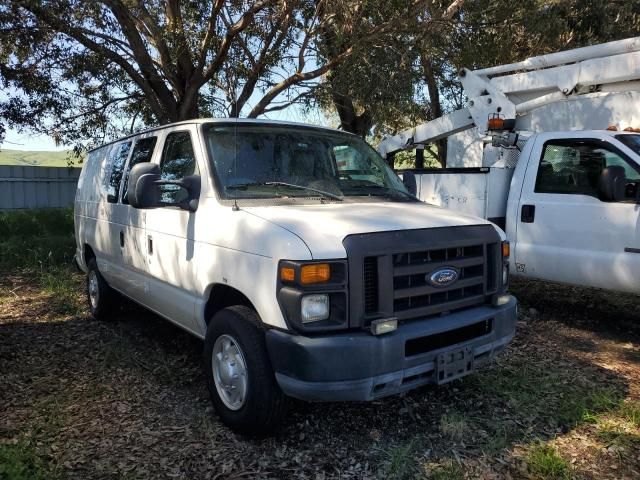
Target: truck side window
x=178 y=161
x=142 y=152
x=117 y=159
x=574 y=167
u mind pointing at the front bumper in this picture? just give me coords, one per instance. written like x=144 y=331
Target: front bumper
x=360 y=366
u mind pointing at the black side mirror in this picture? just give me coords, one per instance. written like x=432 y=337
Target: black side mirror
x=145 y=192
x=142 y=191
x=612 y=184
x=409 y=180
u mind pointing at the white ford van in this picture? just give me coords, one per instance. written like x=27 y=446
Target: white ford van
x=298 y=256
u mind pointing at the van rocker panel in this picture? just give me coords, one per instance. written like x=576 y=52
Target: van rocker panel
x=358 y=366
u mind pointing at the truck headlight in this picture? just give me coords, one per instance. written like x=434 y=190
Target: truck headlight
x=314 y=308
x=505 y=274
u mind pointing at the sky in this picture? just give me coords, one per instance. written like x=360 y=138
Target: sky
x=26 y=141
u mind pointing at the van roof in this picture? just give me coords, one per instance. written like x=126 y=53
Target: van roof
x=199 y=121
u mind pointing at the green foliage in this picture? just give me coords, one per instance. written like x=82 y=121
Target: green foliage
x=88 y=71
x=402 y=463
x=26 y=158
x=21 y=462
x=36 y=239
x=448 y=471
x=41 y=243
x=544 y=462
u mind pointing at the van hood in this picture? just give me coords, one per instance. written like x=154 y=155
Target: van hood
x=323 y=227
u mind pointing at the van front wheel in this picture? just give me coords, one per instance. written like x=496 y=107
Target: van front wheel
x=239 y=375
x=100 y=296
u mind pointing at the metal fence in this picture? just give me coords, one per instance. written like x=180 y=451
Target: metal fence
x=37 y=187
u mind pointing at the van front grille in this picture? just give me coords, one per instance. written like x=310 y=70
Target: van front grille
x=396 y=270
x=413 y=292
x=370 y=281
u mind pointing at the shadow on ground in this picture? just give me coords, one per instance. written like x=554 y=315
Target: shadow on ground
x=127 y=399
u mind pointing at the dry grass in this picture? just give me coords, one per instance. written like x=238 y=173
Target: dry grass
x=126 y=399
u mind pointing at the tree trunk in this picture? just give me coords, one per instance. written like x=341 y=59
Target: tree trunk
x=350 y=121
x=436 y=106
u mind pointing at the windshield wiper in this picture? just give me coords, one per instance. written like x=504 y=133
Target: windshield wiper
x=241 y=186
x=388 y=192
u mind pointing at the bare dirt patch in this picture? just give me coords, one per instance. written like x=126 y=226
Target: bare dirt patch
x=126 y=399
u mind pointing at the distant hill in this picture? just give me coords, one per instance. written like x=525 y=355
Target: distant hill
x=28 y=158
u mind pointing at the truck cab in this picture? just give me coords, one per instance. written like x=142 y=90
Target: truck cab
x=573 y=211
x=547 y=149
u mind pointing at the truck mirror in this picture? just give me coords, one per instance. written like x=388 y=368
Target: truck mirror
x=144 y=192
x=612 y=184
x=409 y=180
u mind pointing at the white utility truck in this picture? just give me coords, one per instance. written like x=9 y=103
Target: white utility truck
x=546 y=149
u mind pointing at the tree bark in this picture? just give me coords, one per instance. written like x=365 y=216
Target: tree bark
x=435 y=105
x=350 y=121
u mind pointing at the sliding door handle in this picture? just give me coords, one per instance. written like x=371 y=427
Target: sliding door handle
x=121 y=238
x=150 y=244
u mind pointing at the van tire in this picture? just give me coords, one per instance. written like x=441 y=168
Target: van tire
x=264 y=405
x=102 y=299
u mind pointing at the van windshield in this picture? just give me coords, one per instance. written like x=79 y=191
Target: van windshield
x=254 y=161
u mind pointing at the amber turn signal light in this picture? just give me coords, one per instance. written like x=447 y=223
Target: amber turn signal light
x=506 y=249
x=495 y=123
x=315 y=273
x=287 y=274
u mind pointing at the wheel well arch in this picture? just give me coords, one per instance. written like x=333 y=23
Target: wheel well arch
x=88 y=253
x=222 y=296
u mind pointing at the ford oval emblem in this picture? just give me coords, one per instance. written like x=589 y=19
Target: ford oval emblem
x=442 y=277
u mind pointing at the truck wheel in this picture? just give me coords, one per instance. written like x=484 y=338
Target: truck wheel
x=239 y=375
x=100 y=296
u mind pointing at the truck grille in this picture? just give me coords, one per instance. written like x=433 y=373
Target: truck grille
x=394 y=269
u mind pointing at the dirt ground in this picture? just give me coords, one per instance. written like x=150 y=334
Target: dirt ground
x=126 y=399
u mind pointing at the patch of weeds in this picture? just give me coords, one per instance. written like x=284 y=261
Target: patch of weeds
x=449 y=470
x=499 y=440
x=63 y=286
x=617 y=434
x=578 y=406
x=402 y=464
x=547 y=393
x=20 y=461
x=630 y=411
x=454 y=425
x=544 y=461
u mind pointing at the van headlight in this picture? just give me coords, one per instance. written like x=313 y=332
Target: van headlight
x=312 y=294
x=314 y=308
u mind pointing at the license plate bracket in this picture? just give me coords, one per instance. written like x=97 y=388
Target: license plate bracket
x=454 y=364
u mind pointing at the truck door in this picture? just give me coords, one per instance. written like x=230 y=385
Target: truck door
x=170 y=234
x=565 y=232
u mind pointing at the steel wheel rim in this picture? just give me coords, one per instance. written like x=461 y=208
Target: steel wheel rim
x=94 y=292
x=229 y=372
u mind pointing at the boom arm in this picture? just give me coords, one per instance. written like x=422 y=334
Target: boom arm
x=527 y=85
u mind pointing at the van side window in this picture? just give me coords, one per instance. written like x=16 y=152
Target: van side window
x=142 y=152
x=574 y=167
x=117 y=159
x=178 y=161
